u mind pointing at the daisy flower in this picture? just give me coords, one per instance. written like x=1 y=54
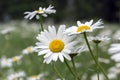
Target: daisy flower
x=41 y=11
x=104 y=60
x=16 y=58
x=7 y=30
x=5 y=62
x=16 y=76
x=28 y=50
x=98 y=39
x=113 y=72
x=84 y=27
x=77 y=50
x=115 y=51
x=36 y=77
x=55 y=44
x=94 y=77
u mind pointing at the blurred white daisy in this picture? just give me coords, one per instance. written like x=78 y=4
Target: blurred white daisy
x=41 y=11
x=36 y=77
x=28 y=50
x=55 y=44
x=84 y=27
x=7 y=30
x=5 y=62
x=104 y=60
x=116 y=35
x=16 y=58
x=78 y=50
x=113 y=73
x=98 y=39
x=94 y=77
x=16 y=76
x=117 y=65
x=114 y=50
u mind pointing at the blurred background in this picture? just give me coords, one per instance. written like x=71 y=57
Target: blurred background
x=67 y=10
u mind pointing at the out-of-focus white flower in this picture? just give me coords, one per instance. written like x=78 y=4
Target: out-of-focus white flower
x=28 y=50
x=106 y=32
x=41 y=11
x=16 y=58
x=103 y=60
x=59 y=79
x=94 y=77
x=115 y=51
x=116 y=35
x=5 y=62
x=16 y=76
x=36 y=77
x=84 y=27
x=55 y=44
x=77 y=50
x=117 y=65
x=7 y=30
x=114 y=48
x=113 y=72
x=98 y=39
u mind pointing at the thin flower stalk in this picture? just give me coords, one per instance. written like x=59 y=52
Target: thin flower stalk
x=41 y=23
x=56 y=70
x=97 y=60
x=76 y=78
x=73 y=63
x=85 y=36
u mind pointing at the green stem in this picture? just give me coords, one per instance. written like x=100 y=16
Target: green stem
x=71 y=70
x=41 y=23
x=97 y=60
x=76 y=75
x=55 y=69
x=85 y=36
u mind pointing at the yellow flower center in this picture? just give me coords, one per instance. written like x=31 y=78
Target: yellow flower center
x=40 y=11
x=83 y=27
x=56 y=45
x=35 y=76
x=29 y=49
x=15 y=59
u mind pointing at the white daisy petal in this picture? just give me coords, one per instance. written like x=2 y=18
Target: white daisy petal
x=67 y=56
x=61 y=58
x=89 y=23
x=60 y=31
x=79 y=23
x=43 y=52
x=55 y=56
x=47 y=55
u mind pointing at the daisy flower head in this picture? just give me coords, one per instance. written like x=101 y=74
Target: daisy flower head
x=114 y=50
x=16 y=58
x=55 y=44
x=5 y=62
x=28 y=50
x=98 y=39
x=41 y=11
x=16 y=76
x=78 y=50
x=7 y=30
x=84 y=27
x=36 y=77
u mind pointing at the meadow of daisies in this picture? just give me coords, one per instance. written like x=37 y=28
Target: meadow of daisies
x=82 y=50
